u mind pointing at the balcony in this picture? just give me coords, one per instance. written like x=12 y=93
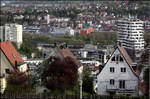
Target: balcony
x=115 y=88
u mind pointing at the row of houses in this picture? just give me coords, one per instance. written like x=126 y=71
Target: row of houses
x=119 y=75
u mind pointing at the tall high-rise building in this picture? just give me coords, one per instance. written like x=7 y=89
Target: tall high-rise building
x=130 y=35
x=11 y=32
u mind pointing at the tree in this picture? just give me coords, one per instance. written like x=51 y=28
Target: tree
x=87 y=81
x=25 y=49
x=60 y=73
x=18 y=83
x=16 y=78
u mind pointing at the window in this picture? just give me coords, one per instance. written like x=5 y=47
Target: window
x=121 y=83
x=112 y=81
x=112 y=69
x=7 y=71
x=121 y=59
x=113 y=59
x=117 y=58
x=123 y=69
x=14 y=55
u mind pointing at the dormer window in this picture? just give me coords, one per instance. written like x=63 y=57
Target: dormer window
x=14 y=55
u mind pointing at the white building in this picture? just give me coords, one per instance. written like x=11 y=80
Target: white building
x=130 y=35
x=62 y=31
x=47 y=18
x=118 y=76
x=11 y=32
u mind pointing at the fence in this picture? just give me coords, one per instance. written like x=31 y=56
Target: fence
x=47 y=96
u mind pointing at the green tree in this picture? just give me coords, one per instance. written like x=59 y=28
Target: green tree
x=87 y=81
x=26 y=50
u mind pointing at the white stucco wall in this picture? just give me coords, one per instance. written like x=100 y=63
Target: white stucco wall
x=4 y=64
x=131 y=81
x=23 y=68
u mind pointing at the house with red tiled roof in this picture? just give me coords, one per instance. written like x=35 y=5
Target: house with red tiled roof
x=10 y=60
x=63 y=51
x=118 y=76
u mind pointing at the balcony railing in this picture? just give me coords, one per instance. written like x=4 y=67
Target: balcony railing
x=115 y=88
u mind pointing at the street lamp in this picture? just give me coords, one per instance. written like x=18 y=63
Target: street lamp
x=80 y=70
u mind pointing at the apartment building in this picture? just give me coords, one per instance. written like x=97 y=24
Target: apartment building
x=11 y=32
x=130 y=35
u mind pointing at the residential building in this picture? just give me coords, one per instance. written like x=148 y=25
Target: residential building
x=118 y=75
x=10 y=61
x=61 y=31
x=33 y=64
x=63 y=51
x=86 y=31
x=12 y=32
x=130 y=35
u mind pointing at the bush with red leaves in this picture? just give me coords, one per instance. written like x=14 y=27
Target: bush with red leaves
x=60 y=74
x=16 y=78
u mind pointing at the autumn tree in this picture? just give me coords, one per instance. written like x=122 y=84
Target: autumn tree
x=18 y=78
x=18 y=82
x=60 y=73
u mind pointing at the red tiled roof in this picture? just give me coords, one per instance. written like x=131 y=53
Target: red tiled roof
x=127 y=58
x=11 y=53
x=125 y=54
x=65 y=52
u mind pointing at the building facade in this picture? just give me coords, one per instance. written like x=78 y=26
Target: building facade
x=11 y=32
x=130 y=35
x=118 y=76
x=10 y=60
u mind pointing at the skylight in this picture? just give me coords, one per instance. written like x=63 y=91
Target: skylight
x=14 y=55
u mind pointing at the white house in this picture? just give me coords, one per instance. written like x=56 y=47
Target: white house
x=10 y=60
x=118 y=76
